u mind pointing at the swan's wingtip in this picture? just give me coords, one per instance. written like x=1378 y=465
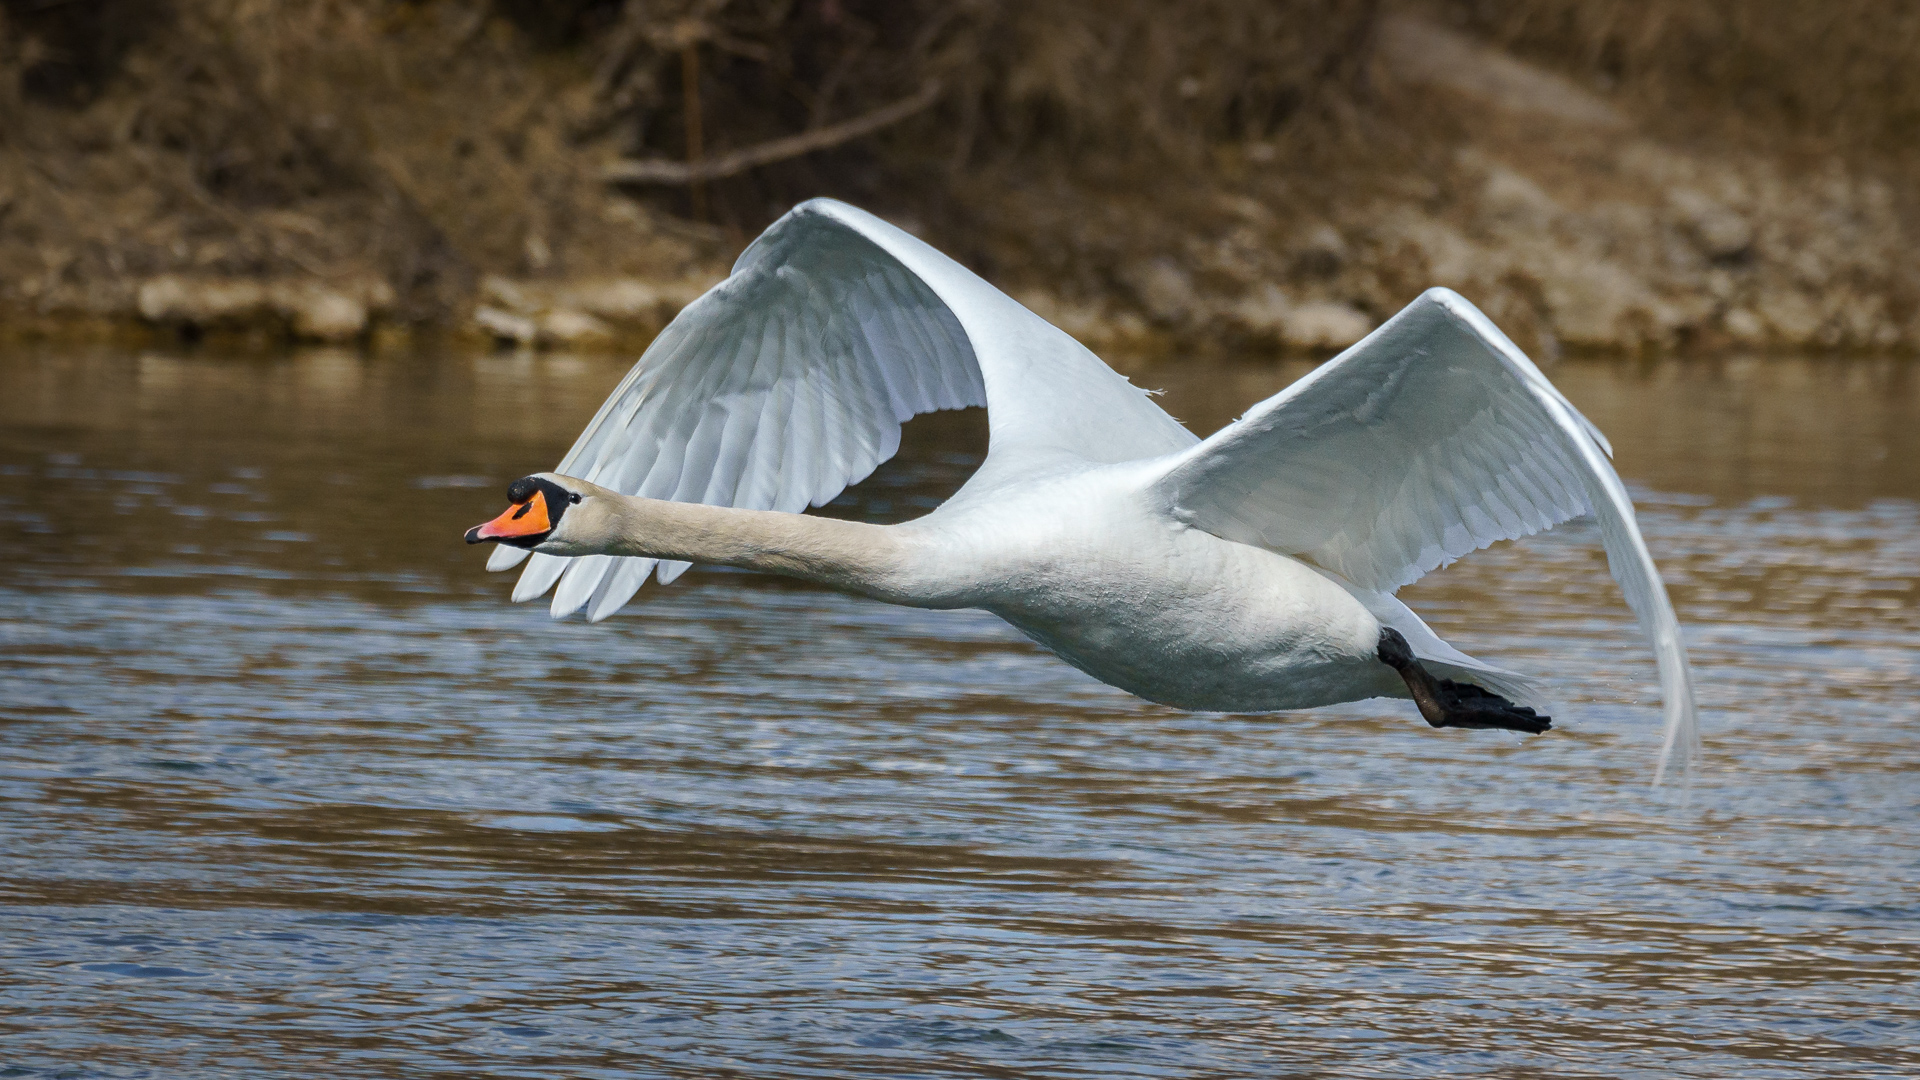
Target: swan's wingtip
x=1680 y=751
x=504 y=557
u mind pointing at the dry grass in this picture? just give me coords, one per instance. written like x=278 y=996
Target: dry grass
x=432 y=142
x=1084 y=143
x=1842 y=75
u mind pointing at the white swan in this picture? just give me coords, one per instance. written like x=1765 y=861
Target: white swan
x=1250 y=572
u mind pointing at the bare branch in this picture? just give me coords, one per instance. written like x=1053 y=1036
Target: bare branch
x=766 y=153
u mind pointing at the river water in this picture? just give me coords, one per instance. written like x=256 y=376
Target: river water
x=289 y=789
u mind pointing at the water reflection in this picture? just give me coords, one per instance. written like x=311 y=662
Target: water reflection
x=288 y=786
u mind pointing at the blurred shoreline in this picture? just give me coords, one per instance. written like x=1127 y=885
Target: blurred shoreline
x=1266 y=179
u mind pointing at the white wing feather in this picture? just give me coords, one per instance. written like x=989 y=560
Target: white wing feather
x=788 y=382
x=1433 y=437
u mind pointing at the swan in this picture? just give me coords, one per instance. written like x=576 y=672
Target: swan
x=1250 y=572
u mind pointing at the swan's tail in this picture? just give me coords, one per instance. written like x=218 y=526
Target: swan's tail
x=1515 y=687
x=1442 y=659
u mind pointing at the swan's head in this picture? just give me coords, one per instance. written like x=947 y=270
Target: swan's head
x=539 y=503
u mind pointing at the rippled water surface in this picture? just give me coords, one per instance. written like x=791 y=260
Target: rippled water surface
x=289 y=789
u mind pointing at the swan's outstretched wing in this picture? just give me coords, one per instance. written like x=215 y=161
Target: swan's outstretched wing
x=1433 y=437
x=789 y=381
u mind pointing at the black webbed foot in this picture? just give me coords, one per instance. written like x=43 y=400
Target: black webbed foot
x=1465 y=705
x=1445 y=703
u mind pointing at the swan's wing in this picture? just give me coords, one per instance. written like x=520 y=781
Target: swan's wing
x=1431 y=438
x=789 y=381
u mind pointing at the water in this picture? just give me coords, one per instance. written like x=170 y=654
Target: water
x=288 y=788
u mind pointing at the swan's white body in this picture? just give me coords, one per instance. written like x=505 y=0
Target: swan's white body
x=1082 y=563
x=1251 y=572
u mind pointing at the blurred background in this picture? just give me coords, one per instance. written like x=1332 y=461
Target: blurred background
x=291 y=289
x=1629 y=176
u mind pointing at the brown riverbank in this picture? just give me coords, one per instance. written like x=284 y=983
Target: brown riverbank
x=1274 y=177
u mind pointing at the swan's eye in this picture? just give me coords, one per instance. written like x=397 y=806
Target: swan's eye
x=573 y=496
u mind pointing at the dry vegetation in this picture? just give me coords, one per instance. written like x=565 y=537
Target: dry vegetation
x=1646 y=175
x=1838 y=77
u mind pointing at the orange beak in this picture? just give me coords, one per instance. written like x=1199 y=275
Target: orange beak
x=527 y=519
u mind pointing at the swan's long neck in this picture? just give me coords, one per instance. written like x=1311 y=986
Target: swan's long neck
x=874 y=560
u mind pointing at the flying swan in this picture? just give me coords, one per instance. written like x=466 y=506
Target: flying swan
x=1253 y=571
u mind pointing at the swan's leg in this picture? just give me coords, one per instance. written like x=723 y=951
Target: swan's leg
x=1446 y=703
